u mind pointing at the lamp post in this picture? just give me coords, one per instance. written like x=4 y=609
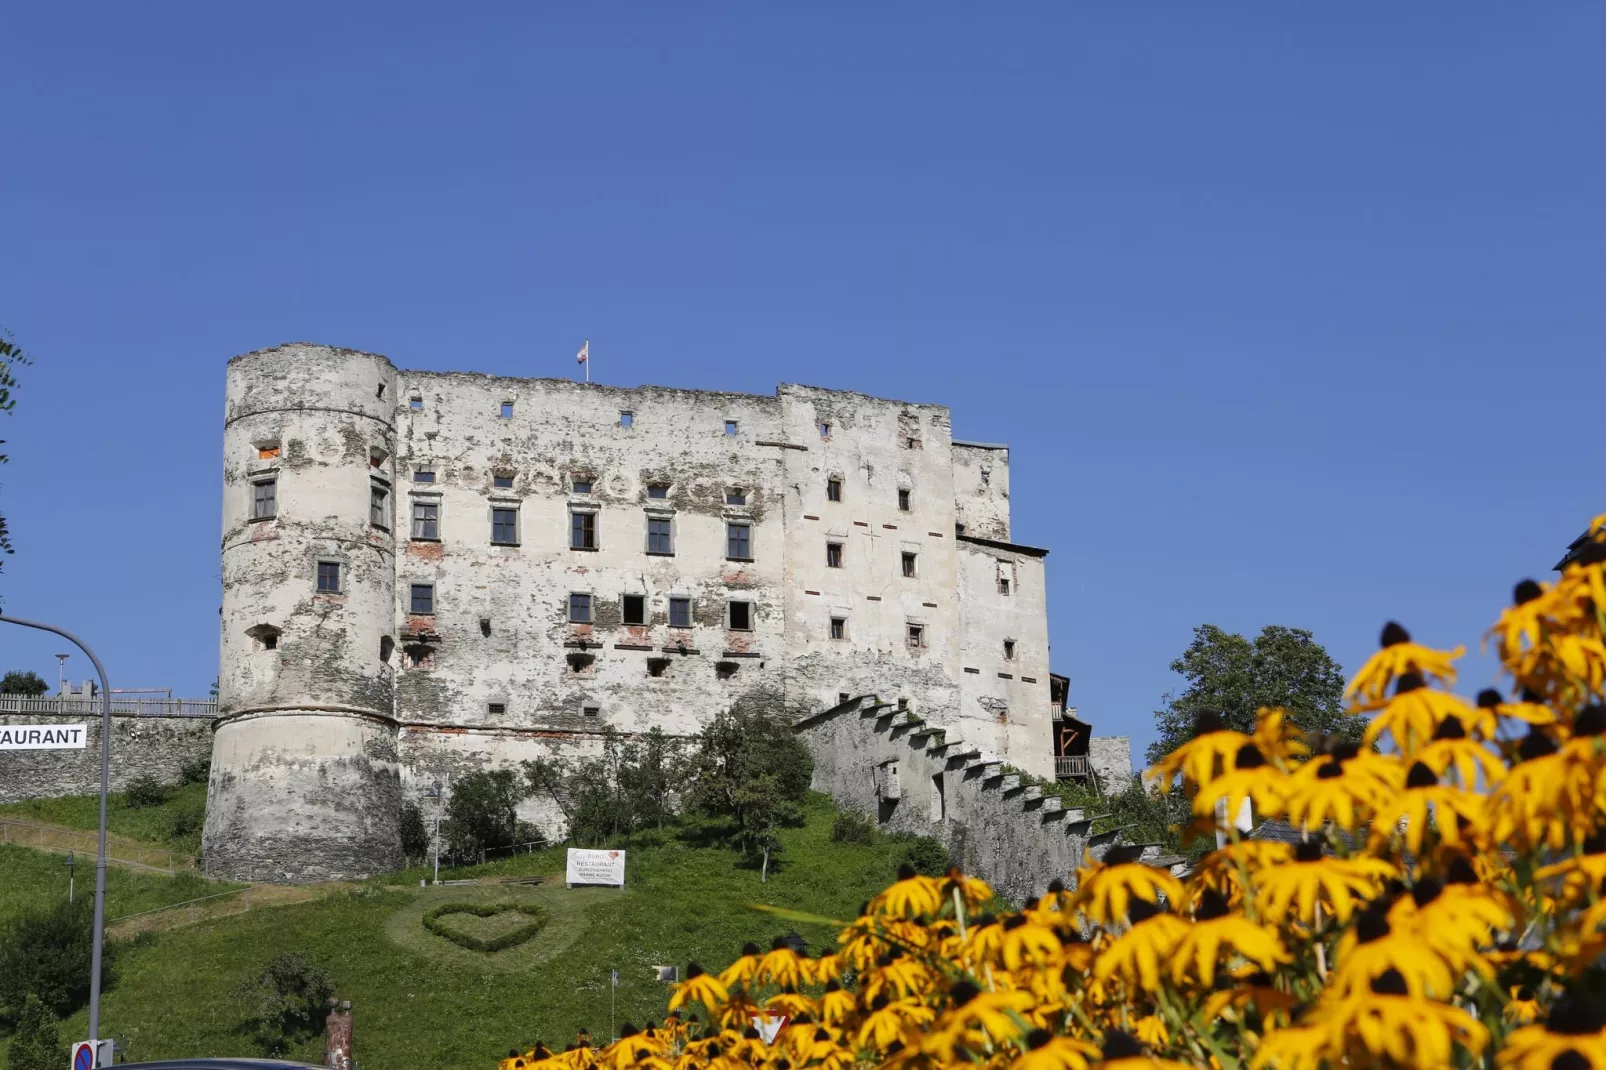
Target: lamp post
x=69 y=864
x=61 y=690
x=438 y=793
x=105 y=786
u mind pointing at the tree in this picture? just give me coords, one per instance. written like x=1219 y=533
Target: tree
x=482 y=813
x=11 y=358
x=414 y=836
x=1232 y=676
x=47 y=953
x=630 y=786
x=751 y=769
x=23 y=682
x=285 y=1001
x=36 y=1045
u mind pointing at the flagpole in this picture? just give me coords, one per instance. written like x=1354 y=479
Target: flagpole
x=588 y=359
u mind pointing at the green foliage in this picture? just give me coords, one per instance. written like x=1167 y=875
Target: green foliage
x=851 y=826
x=145 y=791
x=752 y=770
x=285 y=1001
x=149 y=824
x=511 y=938
x=927 y=855
x=481 y=813
x=1232 y=676
x=414 y=836
x=47 y=952
x=11 y=358
x=36 y=1043
x=23 y=682
x=198 y=771
x=631 y=786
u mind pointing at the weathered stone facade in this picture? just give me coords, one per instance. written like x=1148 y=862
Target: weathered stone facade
x=142 y=745
x=509 y=565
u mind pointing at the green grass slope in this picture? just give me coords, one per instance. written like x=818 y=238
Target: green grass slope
x=174 y=825
x=421 y=1001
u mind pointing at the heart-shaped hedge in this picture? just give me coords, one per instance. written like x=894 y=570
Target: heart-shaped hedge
x=512 y=938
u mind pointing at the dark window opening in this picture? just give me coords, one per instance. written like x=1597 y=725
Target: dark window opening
x=908 y=564
x=657 y=490
x=485 y=625
x=657 y=666
x=421 y=598
x=839 y=627
x=267 y=452
x=387 y=646
x=380 y=392
x=825 y=429
x=658 y=535
x=833 y=555
x=505 y=527
x=270 y=641
x=842 y=697
x=496 y=708
x=426 y=520
x=735 y=496
x=730 y=427
x=1003 y=585
x=264 y=637
x=903 y=500
x=502 y=480
x=741 y=616
x=725 y=670
x=635 y=609
x=328 y=577
x=420 y=656
x=680 y=612
x=424 y=475
x=378 y=514
x=916 y=636
x=1009 y=650
x=833 y=490
x=627 y=419
x=265 y=499
x=739 y=541
x=579 y=662
x=591 y=711
x=581 y=486
x=579 y=608
x=582 y=531
x=415 y=403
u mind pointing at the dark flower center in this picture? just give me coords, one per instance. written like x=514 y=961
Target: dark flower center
x=963 y=992
x=1249 y=757
x=1208 y=721
x=1426 y=891
x=693 y=970
x=1390 y=982
x=1577 y=1014
x=1420 y=776
x=1408 y=682
x=1525 y=592
x=1489 y=698
x=1590 y=721
x=1014 y=921
x=1119 y=1045
x=1570 y=1060
x=906 y=872
x=1394 y=634
x=1122 y=855
x=1141 y=910
x=1056 y=886
x=751 y=948
x=1460 y=871
x=1329 y=769
x=1535 y=745
x=1450 y=728
x=1345 y=751
x=1309 y=851
x=1373 y=922
x=1037 y=1038
x=1212 y=904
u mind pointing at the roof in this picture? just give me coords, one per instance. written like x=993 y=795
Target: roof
x=1573 y=549
x=1029 y=551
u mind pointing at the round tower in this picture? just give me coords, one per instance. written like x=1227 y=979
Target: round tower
x=304 y=783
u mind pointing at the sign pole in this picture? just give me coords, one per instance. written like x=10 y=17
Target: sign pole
x=105 y=787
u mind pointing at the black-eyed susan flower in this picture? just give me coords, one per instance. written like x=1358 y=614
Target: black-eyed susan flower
x=1302 y=1047
x=1045 y=1051
x=1389 y=1022
x=1252 y=778
x=1398 y=656
x=1572 y=1038
x=1372 y=948
x=1414 y=713
x=1106 y=891
x=1313 y=877
x=1122 y=1051
x=698 y=987
x=911 y=896
x=1345 y=788
x=1215 y=932
x=1207 y=755
x=1424 y=806
x=1452 y=750
x=1136 y=956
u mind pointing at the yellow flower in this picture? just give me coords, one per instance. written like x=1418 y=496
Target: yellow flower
x=835 y=1004
x=1521 y=1008
x=1252 y=777
x=1044 y=1051
x=783 y=966
x=977 y=1017
x=1313 y=878
x=1025 y=942
x=1151 y=1030
x=1547 y=799
x=1344 y=788
x=893 y=1020
x=1425 y=805
x=741 y=971
x=1406 y=1029
x=1216 y=930
x=1136 y=956
x=1223 y=869
x=1106 y=891
x=1372 y=948
x=911 y=896
x=698 y=987
x=1122 y=1052
x=1399 y=656
x=1292 y=1048
x=1576 y=1025
x=1206 y=755
x=1450 y=749
x=973 y=890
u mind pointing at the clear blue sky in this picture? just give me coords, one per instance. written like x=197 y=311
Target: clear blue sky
x=1292 y=314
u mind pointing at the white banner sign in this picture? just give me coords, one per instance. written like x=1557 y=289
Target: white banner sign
x=43 y=736
x=596 y=867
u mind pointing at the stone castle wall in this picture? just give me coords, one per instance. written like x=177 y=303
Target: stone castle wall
x=156 y=747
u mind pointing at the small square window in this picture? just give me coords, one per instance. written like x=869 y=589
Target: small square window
x=1009 y=650
x=267 y=453
x=1003 y=585
x=496 y=708
x=415 y=403
x=424 y=475
x=579 y=608
x=426 y=520
x=419 y=656
x=908 y=564
x=504 y=527
x=739 y=542
x=270 y=641
x=833 y=490
x=657 y=666
x=903 y=500
x=580 y=486
x=658 y=541
x=627 y=419
x=379 y=507
x=657 y=490
x=582 y=531
x=591 y=711
x=680 y=612
x=841 y=697
x=833 y=555
x=741 y=616
x=635 y=609
x=502 y=480
x=507 y=410
x=421 y=598
x=735 y=496
x=328 y=577
x=839 y=627
x=730 y=427
x=379 y=392
x=916 y=636
x=265 y=499
x=825 y=429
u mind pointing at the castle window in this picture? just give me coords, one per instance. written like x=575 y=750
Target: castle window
x=1009 y=650
x=986 y=476
x=419 y=656
x=833 y=555
x=580 y=486
x=627 y=419
x=657 y=666
x=582 y=530
x=387 y=645
x=265 y=498
x=658 y=535
x=579 y=608
x=839 y=627
x=680 y=612
x=426 y=521
x=658 y=490
x=496 y=709
x=421 y=598
x=833 y=490
x=590 y=710
x=502 y=480
x=903 y=500
x=328 y=577
x=379 y=506
x=908 y=564
x=741 y=617
x=507 y=410
x=267 y=451
x=825 y=429
x=726 y=670
x=730 y=427
x=380 y=392
x=635 y=609
x=504 y=527
x=424 y=475
x=916 y=636
x=735 y=496
x=1003 y=585
x=263 y=637
x=739 y=542
x=911 y=443
x=416 y=403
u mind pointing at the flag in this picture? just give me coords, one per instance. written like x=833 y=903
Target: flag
x=584 y=354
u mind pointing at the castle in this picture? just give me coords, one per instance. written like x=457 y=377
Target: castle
x=427 y=572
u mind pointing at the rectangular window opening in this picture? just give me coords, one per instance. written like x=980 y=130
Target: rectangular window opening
x=421 y=598
x=580 y=486
x=939 y=805
x=591 y=711
x=265 y=499
x=496 y=708
x=378 y=507
x=424 y=475
x=833 y=555
x=657 y=666
x=657 y=490
x=903 y=500
x=739 y=542
x=379 y=392
x=833 y=490
x=916 y=636
x=635 y=609
x=736 y=496
x=741 y=616
x=582 y=531
x=680 y=612
x=627 y=419
x=908 y=564
x=328 y=577
x=419 y=656
x=1003 y=585
x=825 y=429
x=504 y=527
x=658 y=540
x=502 y=480
x=579 y=608
x=507 y=410
x=426 y=521
x=730 y=427
x=415 y=403
x=1009 y=650
x=839 y=627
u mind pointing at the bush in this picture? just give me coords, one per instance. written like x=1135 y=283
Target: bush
x=481 y=813
x=197 y=772
x=145 y=791
x=186 y=821
x=23 y=682
x=285 y=1001
x=928 y=856
x=851 y=826
x=512 y=938
x=36 y=1044
x=414 y=836
x=48 y=954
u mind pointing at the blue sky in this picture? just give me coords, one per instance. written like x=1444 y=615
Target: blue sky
x=1292 y=314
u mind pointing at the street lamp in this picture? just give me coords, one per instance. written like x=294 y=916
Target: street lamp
x=438 y=793
x=69 y=864
x=61 y=692
x=105 y=788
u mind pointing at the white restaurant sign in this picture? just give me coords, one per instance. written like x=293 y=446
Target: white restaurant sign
x=43 y=736
x=595 y=867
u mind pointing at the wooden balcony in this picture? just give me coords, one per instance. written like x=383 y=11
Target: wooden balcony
x=1068 y=767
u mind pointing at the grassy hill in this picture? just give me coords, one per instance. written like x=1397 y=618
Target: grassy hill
x=420 y=1000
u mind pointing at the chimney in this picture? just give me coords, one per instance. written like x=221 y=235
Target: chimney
x=337 y=1049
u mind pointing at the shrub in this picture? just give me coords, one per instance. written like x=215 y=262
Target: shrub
x=145 y=791
x=198 y=771
x=481 y=813
x=285 y=1001
x=23 y=682
x=928 y=856
x=36 y=1044
x=512 y=938
x=48 y=953
x=414 y=836
x=851 y=826
x=186 y=821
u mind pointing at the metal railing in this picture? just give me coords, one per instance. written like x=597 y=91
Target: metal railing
x=55 y=838
x=122 y=706
x=1070 y=765
x=1059 y=711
